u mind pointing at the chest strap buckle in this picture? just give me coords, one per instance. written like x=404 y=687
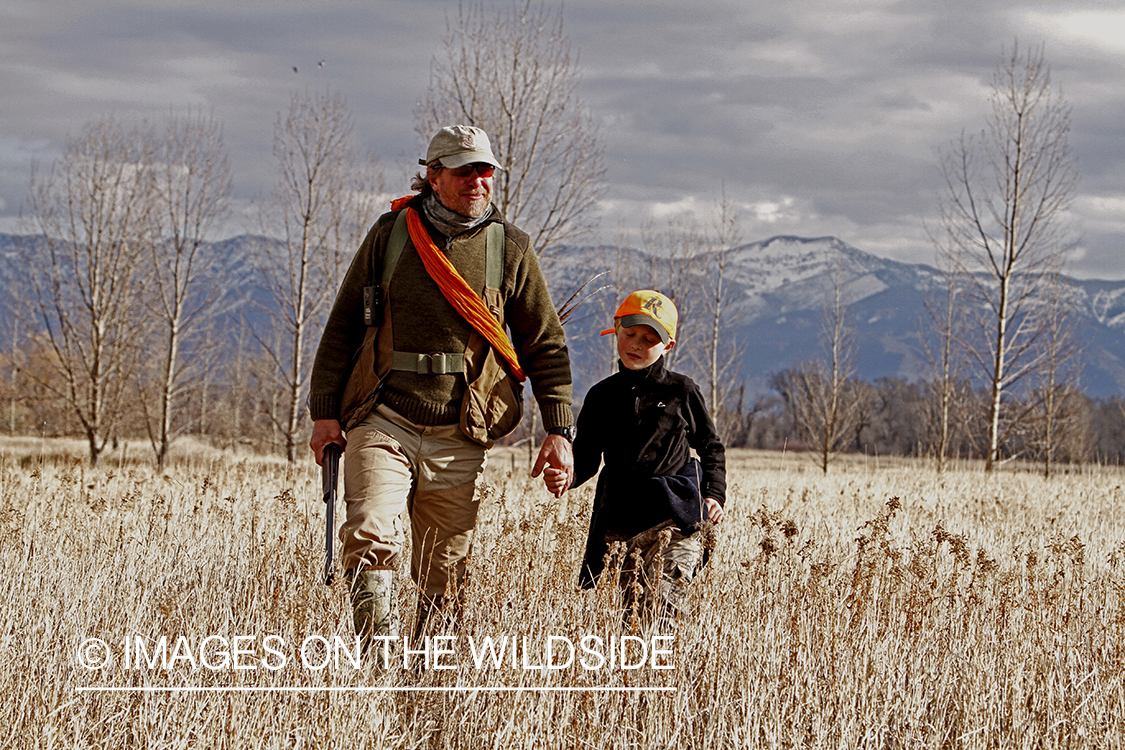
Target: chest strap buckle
x=434 y=363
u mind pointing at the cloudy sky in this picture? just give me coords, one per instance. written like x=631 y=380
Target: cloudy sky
x=820 y=117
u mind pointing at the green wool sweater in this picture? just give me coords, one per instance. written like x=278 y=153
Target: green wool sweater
x=423 y=321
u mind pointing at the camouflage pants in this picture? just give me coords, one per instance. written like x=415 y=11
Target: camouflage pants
x=659 y=563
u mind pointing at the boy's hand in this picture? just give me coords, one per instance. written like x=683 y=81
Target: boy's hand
x=556 y=480
x=714 y=510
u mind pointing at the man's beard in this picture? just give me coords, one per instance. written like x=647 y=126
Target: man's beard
x=478 y=209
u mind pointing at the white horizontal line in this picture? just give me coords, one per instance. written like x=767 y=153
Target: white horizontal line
x=486 y=689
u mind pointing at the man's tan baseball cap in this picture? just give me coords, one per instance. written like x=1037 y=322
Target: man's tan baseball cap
x=458 y=145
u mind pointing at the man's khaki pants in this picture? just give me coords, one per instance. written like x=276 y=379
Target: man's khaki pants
x=393 y=465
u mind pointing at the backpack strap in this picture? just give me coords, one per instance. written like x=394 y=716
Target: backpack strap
x=494 y=255
x=399 y=235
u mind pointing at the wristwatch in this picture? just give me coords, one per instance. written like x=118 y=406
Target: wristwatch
x=567 y=432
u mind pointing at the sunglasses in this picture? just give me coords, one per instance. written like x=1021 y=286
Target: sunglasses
x=467 y=170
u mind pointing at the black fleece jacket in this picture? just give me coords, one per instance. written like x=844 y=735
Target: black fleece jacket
x=644 y=424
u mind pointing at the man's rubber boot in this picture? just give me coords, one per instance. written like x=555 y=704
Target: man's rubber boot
x=374 y=606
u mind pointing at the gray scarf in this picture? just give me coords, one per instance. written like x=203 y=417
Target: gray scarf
x=449 y=222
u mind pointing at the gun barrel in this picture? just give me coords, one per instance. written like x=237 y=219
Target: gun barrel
x=330 y=477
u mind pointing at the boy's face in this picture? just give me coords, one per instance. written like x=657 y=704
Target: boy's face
x=639 y=346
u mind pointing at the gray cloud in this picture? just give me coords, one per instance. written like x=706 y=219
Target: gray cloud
x=818 y=117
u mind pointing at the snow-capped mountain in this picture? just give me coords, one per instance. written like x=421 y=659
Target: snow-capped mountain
x=775 y=292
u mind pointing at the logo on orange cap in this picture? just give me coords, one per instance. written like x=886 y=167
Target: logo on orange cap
x=649 y=308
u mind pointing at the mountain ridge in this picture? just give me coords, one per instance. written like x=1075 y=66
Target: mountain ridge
x=779 y=286
x=776 y=290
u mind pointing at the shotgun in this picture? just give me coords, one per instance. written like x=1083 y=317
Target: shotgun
x=330 y=468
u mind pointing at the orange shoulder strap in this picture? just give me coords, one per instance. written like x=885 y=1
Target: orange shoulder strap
x=459 y=294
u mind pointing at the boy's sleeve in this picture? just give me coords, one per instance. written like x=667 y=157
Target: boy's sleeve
x=704 y=438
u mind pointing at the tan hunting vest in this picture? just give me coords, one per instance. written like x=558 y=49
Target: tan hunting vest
x=493 y=402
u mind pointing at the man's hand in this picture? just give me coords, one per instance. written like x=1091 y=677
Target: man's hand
x=326 y=431
x=556 y=452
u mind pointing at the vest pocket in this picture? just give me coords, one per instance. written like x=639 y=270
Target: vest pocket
x=362 y=387
x=493 y=402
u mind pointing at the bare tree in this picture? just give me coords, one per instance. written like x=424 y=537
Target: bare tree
x=232 y=400
x=191 y=192
x=38 y=409
x=86 y=276
x=817 y=404
x=1056 y=385
x=938 y=343
x=325 y=200
x=727 y=234
x=513 y=74
x=1007 y=191
x=14 y=363
x=671 y=248
x=819 y=395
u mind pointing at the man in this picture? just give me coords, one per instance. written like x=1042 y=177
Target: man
x=415 y=368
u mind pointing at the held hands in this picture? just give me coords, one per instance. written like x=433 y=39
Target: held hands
x=557 y=459
x=556 y=480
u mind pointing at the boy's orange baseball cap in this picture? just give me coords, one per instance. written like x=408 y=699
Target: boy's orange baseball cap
x=648 y=308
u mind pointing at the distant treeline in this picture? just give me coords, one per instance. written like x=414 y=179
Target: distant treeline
x=231 y=406
x=895 y=418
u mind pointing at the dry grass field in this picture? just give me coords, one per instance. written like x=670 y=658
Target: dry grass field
x=882 y=606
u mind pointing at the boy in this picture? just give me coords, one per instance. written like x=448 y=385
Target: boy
x=651 y=495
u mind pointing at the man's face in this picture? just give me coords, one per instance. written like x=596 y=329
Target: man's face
x=639 y=346
x=469 y=195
